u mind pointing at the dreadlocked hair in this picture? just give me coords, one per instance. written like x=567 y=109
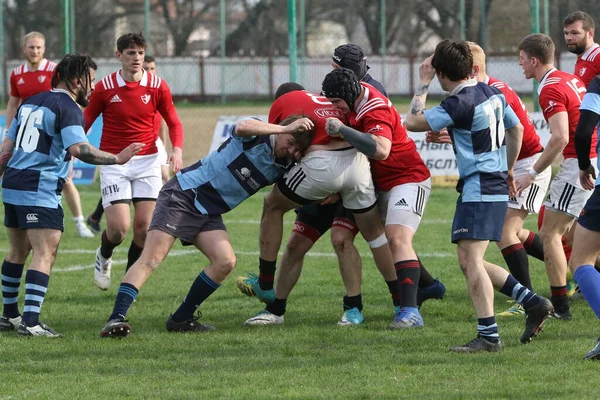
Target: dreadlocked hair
x=73 y=65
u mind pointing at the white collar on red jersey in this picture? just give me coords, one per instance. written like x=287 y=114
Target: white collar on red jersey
x=40 y=68
x=121 y=82
x=545 y=79
x=487 y=80
x=589 y=51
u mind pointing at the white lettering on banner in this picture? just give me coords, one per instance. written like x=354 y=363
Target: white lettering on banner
x=438 y=157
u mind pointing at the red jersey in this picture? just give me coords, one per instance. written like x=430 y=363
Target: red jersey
x=376 y=115
x=313 y=106
x=587 y=65
x=531 y=141
x=157 y=121
x=25 y=83
x=560 y=91
x=128 y=111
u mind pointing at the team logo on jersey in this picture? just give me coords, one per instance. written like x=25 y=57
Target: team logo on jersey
x=145 y=98
x=115 y=99
x=550 y=107
x=20 y=82
x=245 y=172
x=582 y=71
x=375 y=129
x=328 y=112
x=244 y=175
x=42 y=78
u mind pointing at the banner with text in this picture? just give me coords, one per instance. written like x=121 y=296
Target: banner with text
x=439 y=158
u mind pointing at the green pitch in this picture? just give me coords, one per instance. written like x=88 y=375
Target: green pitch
x=309 y=356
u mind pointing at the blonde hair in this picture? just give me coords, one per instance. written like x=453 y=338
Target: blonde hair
x=478 y=56
x=32 y=35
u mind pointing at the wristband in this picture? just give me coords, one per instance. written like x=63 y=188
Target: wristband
x=533 y=172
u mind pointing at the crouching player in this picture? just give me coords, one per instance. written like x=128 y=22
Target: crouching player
x=190 y=206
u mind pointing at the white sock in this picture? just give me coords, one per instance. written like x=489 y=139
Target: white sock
x=78 y=219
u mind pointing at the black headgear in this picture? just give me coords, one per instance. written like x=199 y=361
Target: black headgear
x=342 y=83
x=352 y=57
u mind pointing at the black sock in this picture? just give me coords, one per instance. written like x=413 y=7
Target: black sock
x=408 y=272
x=277 y=307
x=394 y=289
x=202 y=287
x=425 y=278
x=133 y=254
x=518 y=263
x=266 y=274
x=98 y=212
x=353 y=302
x=559 y=299
x=107 y=247
x=534 y=247
x=11 y=280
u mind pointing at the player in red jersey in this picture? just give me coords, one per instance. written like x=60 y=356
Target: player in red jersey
x=560 y=95
x=128 y=101
x=401 y=178
x=330 y=166
x=31 y=78
x=579 y=34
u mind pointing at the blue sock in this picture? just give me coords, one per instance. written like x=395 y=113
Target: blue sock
x=125 y=297
x=488 y=329
x=588 y=280
x=36 y=286
x=521 y=294
x=202 y=287
x=11 y=280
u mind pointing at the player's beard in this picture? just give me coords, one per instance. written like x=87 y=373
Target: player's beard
x=579 y=48
x=82 y=98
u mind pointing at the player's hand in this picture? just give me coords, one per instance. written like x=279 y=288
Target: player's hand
x=128 y=152
x=523 y=182
x=426 y=71
x=512 y=188
x=300 y=125
x=333 y=126
x=587 y=178
x=176 y=159
x=438 y=137
x=332 y=198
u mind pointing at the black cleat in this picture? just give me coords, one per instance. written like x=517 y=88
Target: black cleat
x=594 y=354
x=94 y=225
x=535 y=318
x=563 y=314
x=434 y=291
x=191 y=325
x=478 y=344
x=9 y=324
x=116 y=328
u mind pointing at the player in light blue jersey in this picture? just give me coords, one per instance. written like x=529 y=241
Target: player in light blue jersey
x=34 y=162
x=586 y=243
x=476 y=116
x=190 y=205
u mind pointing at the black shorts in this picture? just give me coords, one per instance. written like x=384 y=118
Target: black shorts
x=478 y=220
x=313 y=220
x=33 y=217
x=590 y=215
x=176 y=214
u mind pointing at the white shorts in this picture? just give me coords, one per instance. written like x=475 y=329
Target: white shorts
x=404 y=204
x=139 y=178
x=532 y=198
x=566 y=194
x=324 y=172
x=162 y=152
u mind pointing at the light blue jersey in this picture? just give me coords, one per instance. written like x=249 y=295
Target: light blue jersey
x=476 y=116
x=228 y=176
x=591 y=102
x=45 y=126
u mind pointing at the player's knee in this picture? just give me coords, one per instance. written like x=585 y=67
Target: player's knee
x=399 y=243
x=225 y=265
x=298 y=245
x=341 y=241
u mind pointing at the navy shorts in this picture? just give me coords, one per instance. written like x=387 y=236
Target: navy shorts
x=590 y=215
x=478 y=221
x=33 y=217
x=176 y=214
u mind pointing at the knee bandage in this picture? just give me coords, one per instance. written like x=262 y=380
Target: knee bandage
x=380 y=241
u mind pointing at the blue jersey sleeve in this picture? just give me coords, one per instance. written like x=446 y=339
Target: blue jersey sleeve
x=12 y=131
x=510 y=118
x=438 y=118
x=591 y=100
x=70 y=124
x=243 y=138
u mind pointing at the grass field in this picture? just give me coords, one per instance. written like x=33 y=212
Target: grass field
x=309 y=356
